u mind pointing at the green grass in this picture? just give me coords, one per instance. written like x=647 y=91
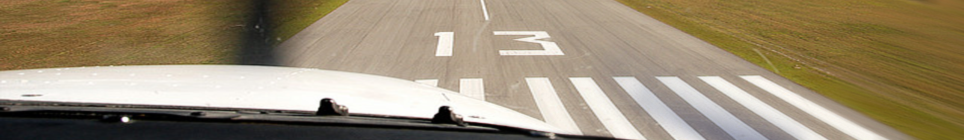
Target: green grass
x=289 y=17
x=897 y=61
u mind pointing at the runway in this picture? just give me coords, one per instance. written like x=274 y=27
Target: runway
x=590 y=67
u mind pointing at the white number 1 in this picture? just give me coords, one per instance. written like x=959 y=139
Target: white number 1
x=445 y=40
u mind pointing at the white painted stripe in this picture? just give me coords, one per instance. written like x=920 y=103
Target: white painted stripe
x=605 y=110
x=784 y=122
x=672 y=123
x=729 y=123
x=550 y=106
x=484 y=11
x=815 y=110
x=430 y=82
x=444 y=46
x=472 y=87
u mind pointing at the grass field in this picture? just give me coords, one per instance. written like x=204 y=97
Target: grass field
x=898 y=61
x=289 y=17
x=69 y=33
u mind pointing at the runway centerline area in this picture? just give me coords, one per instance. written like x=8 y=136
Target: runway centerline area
x=589 y=67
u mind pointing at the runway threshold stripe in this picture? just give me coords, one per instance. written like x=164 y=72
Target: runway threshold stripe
x=729 y=123
x=815 y=110
x=430 y=82
x=672 y=123
x=784 y=122
x=605 y=110
x=550 y=106
x=472 y=87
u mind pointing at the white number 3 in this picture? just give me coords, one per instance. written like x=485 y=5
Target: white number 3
x=549 y=48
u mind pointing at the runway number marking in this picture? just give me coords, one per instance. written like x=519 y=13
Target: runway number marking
x=549 y=48
x=447 y=39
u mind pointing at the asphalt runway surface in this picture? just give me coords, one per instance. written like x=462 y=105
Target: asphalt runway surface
x=589 y=67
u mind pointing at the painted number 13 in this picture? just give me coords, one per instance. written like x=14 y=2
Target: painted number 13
x=446 y=39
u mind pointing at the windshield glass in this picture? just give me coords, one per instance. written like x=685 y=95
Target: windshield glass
x=633 y=69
